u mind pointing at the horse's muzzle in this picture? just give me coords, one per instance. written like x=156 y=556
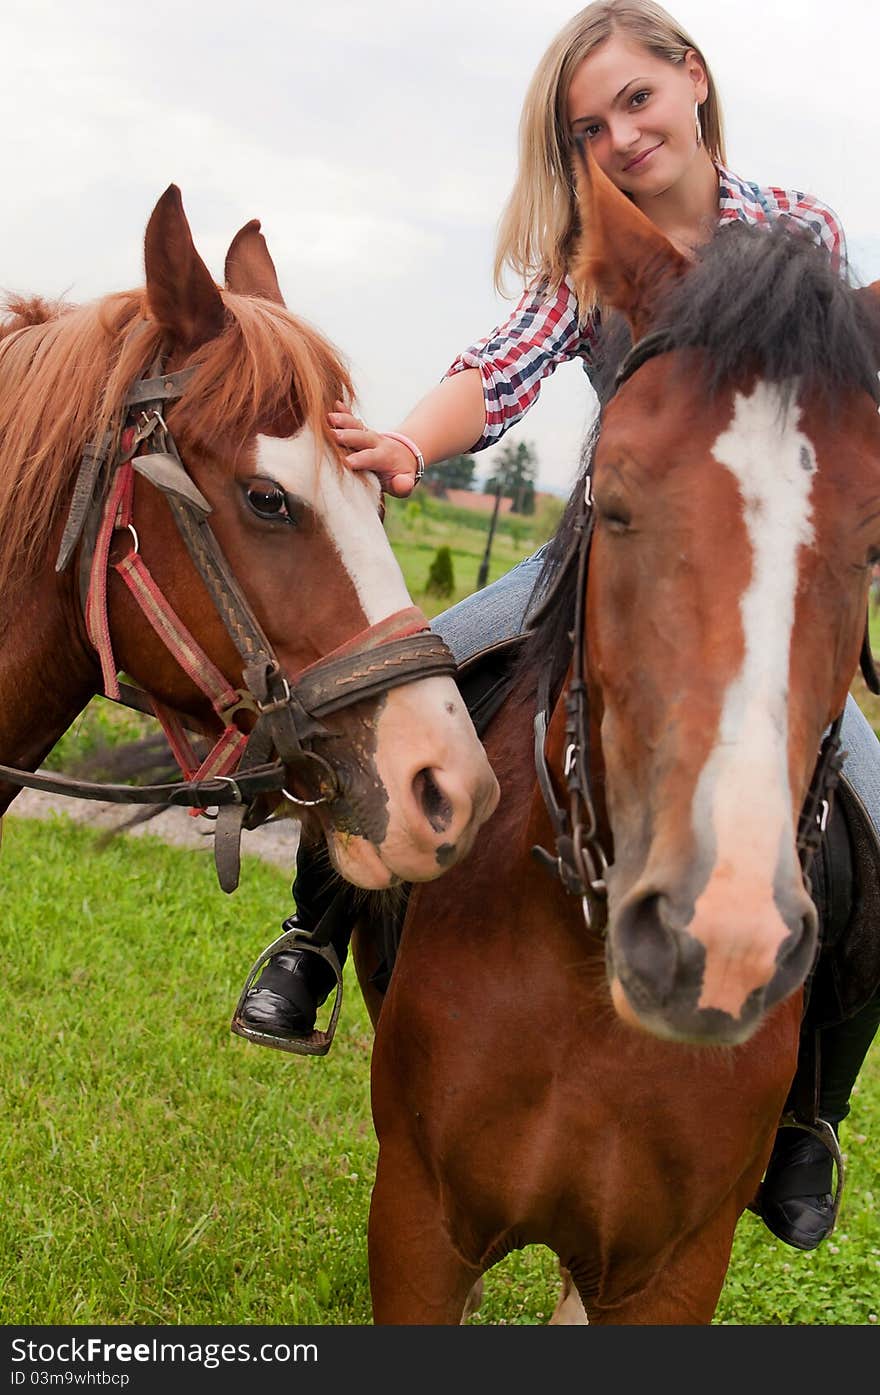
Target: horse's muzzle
x=714 y=987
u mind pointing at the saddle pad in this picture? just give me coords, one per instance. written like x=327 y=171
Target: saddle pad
x=846 y=889
x=485 y=680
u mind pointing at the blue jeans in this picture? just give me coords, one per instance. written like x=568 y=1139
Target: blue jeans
x=495 y=613
x=498 y=612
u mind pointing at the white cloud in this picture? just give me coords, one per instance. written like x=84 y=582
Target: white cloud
x=377 y=144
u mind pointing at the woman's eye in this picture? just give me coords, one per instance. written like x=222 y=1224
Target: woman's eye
x=268 y=501
x=591 y=132
x=639 y=99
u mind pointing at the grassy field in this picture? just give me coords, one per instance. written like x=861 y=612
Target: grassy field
x=417 y=527
x=154 y=1169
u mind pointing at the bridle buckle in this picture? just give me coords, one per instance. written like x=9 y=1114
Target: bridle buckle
x=276 y=704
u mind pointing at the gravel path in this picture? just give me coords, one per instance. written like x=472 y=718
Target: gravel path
x=274 y=842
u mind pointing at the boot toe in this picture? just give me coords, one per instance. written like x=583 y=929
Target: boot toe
x=801 y=1221
x=795 y=1200
x=266 y=1011
x=285 y=999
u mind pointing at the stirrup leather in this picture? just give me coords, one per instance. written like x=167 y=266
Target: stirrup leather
x=315 y=1043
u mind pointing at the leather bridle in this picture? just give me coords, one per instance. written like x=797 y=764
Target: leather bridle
x=580 y=861
x=287 y=712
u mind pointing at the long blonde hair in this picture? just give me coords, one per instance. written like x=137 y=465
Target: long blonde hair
x=539 y=222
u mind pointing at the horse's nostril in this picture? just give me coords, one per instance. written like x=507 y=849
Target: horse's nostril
x=433 y=803
x=646 y=945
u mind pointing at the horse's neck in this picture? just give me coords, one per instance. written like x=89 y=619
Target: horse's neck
x=522 y=819
x=46 y=675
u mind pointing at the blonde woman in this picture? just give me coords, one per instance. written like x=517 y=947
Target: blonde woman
x=628 y=79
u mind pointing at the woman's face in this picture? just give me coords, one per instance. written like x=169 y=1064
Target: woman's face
x=637 y=113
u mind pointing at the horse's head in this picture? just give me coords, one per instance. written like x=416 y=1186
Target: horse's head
x=737 y=496
x=303 y=537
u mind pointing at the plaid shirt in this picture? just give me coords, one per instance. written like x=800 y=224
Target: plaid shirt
x=544 y=331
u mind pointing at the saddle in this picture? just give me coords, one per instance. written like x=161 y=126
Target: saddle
x=845 y=885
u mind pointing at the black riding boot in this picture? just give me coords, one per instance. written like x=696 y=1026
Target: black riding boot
x=285 y=999
x=795 y=1200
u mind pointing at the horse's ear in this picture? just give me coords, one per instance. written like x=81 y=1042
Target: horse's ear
x=872 y=293
x=249 y=268
x=181 y=292
x=619 y=251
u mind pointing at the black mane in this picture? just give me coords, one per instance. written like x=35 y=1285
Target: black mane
x=757 y=300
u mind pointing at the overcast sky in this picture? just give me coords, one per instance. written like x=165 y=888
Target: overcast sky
x=377 y=144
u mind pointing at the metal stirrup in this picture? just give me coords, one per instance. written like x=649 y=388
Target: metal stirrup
x=315 y=1043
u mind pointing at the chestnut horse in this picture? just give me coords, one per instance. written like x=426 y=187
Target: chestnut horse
x=611 y=1090
x=124 y=426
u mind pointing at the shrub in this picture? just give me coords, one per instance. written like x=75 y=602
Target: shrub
x=441 y=578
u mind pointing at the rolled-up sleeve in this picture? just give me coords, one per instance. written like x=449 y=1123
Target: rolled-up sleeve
x=542 y=332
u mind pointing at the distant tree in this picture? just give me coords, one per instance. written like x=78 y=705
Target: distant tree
x=441 y=577
x=455 y=473
x=549 y=516
x=515 y=474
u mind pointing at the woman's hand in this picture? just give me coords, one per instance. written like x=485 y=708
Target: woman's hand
x=392 y=461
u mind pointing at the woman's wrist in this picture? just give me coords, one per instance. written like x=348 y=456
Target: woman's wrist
x=414 y=451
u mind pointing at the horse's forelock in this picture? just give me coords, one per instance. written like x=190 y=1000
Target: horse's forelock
x=65 y=371
x=266 y=362
x=769 y=301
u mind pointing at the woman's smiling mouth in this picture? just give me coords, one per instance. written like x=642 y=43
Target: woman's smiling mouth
x=640 y=159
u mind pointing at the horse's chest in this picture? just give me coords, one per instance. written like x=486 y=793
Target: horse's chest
x=547 y=1121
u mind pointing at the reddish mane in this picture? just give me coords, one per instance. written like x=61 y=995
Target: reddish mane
x=65 y=370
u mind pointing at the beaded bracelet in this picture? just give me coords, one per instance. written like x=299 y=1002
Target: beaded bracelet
x=411 y=446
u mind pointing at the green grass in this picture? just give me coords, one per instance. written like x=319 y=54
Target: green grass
x=417 y=528
x=100 y=724
x=155 y=1169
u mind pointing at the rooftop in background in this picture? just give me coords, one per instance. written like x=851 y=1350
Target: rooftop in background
x=480 y=503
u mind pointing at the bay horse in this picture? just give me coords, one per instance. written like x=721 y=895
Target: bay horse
x=605 y=1077
x=173 y=507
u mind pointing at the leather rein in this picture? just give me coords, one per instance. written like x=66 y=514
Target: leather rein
x=241 y=765
x=580 y=861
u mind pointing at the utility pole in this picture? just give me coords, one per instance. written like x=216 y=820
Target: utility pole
x=483 y=573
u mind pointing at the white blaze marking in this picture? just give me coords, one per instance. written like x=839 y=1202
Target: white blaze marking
x=346 y=501
x=743 y=792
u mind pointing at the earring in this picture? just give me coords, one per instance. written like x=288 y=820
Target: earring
x=699 y=128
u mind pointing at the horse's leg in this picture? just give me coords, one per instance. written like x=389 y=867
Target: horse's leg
x=685 y=1290
x=416 y=1274
x=367 y=957
x=569 y=1310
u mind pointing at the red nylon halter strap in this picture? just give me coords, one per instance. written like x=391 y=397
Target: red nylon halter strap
x=227 y=752
x=117 y=515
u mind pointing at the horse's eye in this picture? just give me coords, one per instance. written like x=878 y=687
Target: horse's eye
x=616 y=518
x=268 y=501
